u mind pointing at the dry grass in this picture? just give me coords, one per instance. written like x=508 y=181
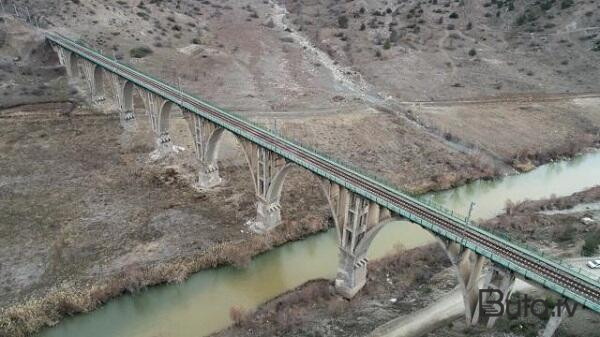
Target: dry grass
x=520 y=133
x=29 y=317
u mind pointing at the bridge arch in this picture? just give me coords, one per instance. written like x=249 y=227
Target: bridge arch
x=363 y=246
x=274 y=191
x=211 y=151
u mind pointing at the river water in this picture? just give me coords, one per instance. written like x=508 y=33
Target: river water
x=201 y=305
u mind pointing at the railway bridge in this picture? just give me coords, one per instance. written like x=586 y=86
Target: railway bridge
x=360 y=205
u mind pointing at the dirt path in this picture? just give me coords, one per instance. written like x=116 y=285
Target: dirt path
x=515 y=98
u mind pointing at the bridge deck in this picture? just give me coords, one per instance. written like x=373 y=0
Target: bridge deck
x=528 y=264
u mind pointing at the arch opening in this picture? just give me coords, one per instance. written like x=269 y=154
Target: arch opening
x=302 y=199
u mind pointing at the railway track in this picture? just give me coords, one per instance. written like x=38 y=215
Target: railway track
x=574 y=282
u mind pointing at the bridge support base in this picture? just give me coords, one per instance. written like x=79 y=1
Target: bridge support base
x=268 y=216
x=208 y=177
x=163 y=147
x=468 y=271
x=128 y=120
x=556 y=317
x=351 y=275
x=497 y=279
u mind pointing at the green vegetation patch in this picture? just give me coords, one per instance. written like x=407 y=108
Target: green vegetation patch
x=591 y=242
x=140 y=52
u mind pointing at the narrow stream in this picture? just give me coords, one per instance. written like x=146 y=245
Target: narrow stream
x=201 y=305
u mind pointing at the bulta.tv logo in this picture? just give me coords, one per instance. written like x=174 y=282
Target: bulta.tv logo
x=492 y=304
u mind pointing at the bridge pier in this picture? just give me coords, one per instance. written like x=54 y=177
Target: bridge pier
x=351 y=274
x=94 y=76
x=469 y=267
x=123 y=99
x=556 y=317
x=158 y=110
x=207 y=139
x=357 y=221
x=498 y=279
x=268 y=171
x=268 y=216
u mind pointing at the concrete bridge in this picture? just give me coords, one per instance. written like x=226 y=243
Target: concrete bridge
x=360 y=205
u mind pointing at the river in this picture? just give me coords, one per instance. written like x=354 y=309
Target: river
x=201 y=305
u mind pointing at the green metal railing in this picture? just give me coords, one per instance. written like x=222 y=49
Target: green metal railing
x=458 y=219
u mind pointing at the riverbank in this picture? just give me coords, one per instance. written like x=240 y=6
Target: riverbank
x=99 y=219
x=402 y=282
x=119 y=223
x=408 y=281
x=561 y=226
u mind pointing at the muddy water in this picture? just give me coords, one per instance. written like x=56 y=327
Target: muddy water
x=201 y=305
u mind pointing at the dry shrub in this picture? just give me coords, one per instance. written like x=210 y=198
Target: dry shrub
x=572 y=146
x=509 y=207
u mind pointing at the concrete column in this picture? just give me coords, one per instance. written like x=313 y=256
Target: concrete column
x=352 y=273
x=122 y=93
x=558 y=315
x=158 y=109
x=94 y=76
x=269 y=171
x=68 y=60
x=208 y=176
x=207 y=139
x=468 y=271
x=268 y=216
x=500 y=279
x=357 y=222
